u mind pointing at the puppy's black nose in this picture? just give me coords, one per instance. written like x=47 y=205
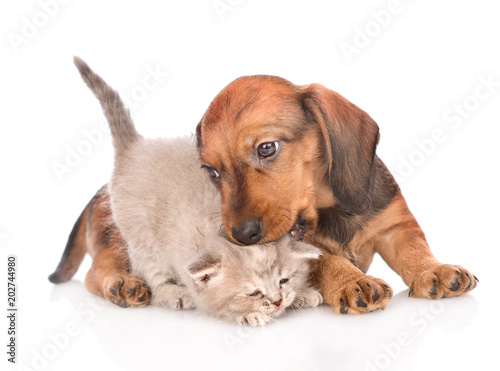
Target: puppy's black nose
x=249 y=232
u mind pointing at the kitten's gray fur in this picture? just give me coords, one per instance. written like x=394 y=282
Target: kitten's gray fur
x=169 y=213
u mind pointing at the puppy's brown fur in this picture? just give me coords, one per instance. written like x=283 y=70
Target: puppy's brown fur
x=326 y=177
x=95 y=233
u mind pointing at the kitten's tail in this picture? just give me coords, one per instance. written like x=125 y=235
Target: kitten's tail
x=120 y=122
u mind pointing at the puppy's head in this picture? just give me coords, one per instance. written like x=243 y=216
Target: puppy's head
x=277 y=152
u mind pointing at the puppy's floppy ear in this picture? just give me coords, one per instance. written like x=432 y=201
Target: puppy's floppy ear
x=204 y=268
x=351 y=137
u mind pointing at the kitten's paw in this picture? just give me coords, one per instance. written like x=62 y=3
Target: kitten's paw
x=310 y=298
x=442 y=280
x=184 y=302
x=127 y=291
x=254 y=319
x=172 y=296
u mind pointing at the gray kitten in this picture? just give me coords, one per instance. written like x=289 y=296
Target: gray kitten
x=169 y=213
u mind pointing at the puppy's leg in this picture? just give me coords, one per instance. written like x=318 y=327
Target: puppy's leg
x=404 y=247
x=109 y=275
x=347 y=289
x=95 y=233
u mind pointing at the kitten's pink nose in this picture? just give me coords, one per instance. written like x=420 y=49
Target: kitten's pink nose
x=278 y=303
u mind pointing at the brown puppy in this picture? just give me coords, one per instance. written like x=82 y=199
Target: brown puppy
x=301 y=160
x=289 y=159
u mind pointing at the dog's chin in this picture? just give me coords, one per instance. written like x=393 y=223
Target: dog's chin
x=299 y=228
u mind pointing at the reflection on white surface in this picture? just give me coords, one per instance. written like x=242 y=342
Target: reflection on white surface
x=86 y=329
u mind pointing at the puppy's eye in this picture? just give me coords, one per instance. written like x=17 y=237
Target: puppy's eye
x=255 y=293
x=268 y=149
x=214 y=174
x=283 y=281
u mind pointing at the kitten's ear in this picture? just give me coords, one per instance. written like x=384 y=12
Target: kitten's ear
x=305 y=251
x=204 y=268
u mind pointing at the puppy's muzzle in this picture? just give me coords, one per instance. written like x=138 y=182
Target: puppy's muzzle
x=248 y=232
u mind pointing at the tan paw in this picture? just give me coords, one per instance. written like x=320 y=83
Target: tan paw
x=127 y=291
x=363 y=295
x=310 y=298
x=441 y=281
x=172 y=296
x=254 y=319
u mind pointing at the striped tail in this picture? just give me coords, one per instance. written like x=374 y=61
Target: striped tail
x=120 y=122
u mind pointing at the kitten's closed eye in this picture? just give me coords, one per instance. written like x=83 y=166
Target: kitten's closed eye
x=255 y=293
x=284 y=280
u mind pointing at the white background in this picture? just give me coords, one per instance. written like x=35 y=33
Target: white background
x=417 y=66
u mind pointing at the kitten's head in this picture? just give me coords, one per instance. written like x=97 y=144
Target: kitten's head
x=233 y=281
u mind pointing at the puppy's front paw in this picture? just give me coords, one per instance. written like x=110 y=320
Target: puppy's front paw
x=361 y=295
x=127 y=291
x=442 y=280
x=310 y=298
x=254 y=319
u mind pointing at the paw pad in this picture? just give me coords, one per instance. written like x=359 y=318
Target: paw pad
x=362 y=295
x=128 y=292
x=442 y=281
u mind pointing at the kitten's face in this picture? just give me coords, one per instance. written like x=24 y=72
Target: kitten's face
x=262 y=279
x=268 y=281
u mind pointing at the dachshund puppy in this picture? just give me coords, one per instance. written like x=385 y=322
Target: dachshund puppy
x=301 y=160
x=296 y=160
